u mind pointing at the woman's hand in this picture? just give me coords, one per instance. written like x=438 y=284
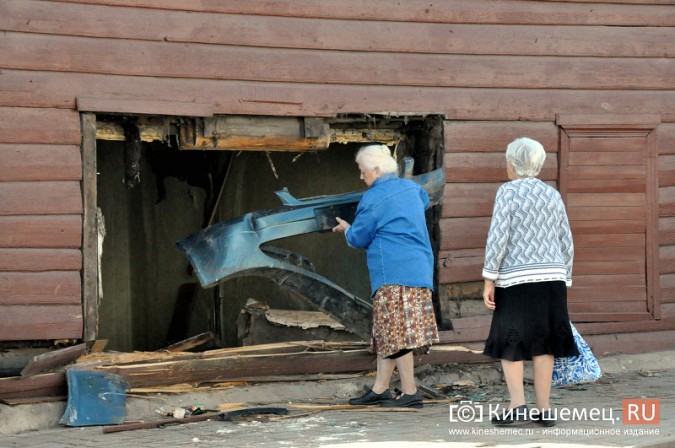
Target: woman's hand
x=342 y=225
x=489 y=294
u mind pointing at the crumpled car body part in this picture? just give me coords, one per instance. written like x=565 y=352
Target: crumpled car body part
x=237 y=248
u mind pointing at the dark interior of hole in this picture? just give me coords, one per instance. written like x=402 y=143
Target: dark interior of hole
x=151 y=298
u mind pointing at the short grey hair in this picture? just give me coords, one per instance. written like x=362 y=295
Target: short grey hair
x=376 y=156
x=526 y=155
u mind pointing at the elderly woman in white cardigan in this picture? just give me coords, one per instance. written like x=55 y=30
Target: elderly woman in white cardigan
x=528 y=267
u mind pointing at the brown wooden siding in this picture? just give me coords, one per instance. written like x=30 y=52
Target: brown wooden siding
x=496 y=70
x=40 y=224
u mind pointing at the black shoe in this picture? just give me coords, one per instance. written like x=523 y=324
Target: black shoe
x=512 y=417
x=405 y=401
x=546 y=418
x=371 y=398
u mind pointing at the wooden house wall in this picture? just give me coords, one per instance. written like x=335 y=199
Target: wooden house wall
x=495 y=70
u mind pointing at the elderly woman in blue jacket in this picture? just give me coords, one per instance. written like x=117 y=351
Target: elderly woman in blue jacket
x=391 y=226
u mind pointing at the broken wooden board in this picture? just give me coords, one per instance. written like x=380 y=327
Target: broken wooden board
x=98 y=346
x=109 y=358
x=32 y=400
x=52 y=359
x=190 y=343
x=40 y=385
x=229 y=367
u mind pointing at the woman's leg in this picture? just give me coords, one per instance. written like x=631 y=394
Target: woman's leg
x=406 y=370
x=543 y=371
x=513 y=372
x=385 y=368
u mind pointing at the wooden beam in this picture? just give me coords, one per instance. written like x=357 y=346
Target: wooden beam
x=153 y=131
x=43 y=385
x=55 y=358
x=90 y=267
x=114 y=132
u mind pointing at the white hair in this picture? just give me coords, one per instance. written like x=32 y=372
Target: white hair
x=526 y=155
x=376 y=156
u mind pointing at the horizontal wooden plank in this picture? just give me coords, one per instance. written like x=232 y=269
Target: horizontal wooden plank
x=40 y=259
x=584 y=148
x=667 y=201
x=606 y=172
x=606 y=158
x=667 y=138
x=668 y=311
x=51 y=89
x=667 y=281
x=488 y=167
x=667 y=170
x=189 y=109
x=156 y=59
x=639 y=342
x=604 y=226
x=461 y=265
x=614 y=307
x=609 y=240
x=464 y=233
x=607 y=186
x=667 y=298
x=40 y=162
x=608 y=253
x=609 y=317
x=40 y=322
x=458 y=11
x=608 y=267
x=605 y=293
x=40 y=198
x=44 y=385
x=63 y=231
x=667 y=261
x=28 y=288
x=33 y=125
x=598 y=334
x=466 y=199
x=354 y=35
x=666 y=231
x=595 y=213
x=632 y=124
x=494 y=136
x=621 y=200
x=599 y=281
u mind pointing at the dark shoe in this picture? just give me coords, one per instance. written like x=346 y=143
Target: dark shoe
x=546 y=418
x=371 y=398
x=512 y=417
x=405 y=401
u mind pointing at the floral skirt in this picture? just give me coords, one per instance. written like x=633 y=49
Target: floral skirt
x=403 y=318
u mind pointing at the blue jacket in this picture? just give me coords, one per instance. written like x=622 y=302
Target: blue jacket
x=390 y=225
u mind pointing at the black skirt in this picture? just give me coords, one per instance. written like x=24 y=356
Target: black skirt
x=530 y=319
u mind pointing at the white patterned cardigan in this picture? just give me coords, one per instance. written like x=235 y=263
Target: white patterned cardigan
x=530 y=238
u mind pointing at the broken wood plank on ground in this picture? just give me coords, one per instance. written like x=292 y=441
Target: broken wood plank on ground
x=52 y=359
x=190 y=343
x=98 y=346
x=32 y=400
x=301 y=358
x=225 y=416
x=40 y=385
x=346 y=407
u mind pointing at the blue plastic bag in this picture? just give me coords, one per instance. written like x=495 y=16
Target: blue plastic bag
x=576 y=369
